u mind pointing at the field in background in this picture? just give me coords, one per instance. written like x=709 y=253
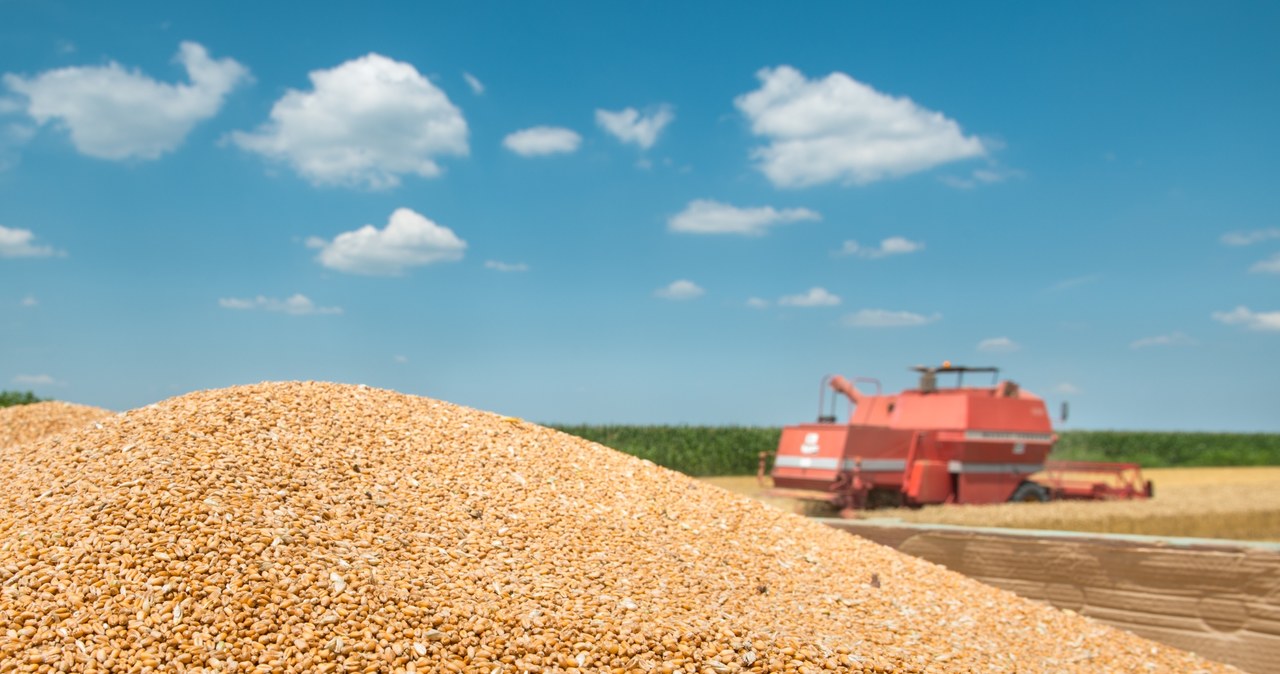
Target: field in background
x=1235 y=503
x=734 y=450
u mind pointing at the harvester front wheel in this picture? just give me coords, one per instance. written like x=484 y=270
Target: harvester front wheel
x=1029 y=492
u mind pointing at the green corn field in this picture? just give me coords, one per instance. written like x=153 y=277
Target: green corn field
x=734 y=450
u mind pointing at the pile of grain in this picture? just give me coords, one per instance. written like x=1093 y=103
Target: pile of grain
x=22 y=424
x=321 y=527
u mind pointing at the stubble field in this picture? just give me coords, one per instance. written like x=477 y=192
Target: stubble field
x=1232 y=503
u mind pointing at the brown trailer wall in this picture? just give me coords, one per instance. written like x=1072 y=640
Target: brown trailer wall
x=1220 y=599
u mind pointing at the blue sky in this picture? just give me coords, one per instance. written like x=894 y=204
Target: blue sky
x=657 y=213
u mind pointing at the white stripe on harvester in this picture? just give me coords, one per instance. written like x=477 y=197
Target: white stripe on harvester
x=830 y=463
x=972 y=467
x=1009 y=436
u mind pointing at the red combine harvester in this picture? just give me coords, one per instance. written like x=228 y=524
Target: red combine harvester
x=963 y=444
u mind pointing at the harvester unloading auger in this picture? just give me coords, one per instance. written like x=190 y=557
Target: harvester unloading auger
x=960 y=444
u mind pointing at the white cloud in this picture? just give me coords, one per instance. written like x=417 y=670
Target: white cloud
x=1270 y=265
x=114 y=113
x=408 y=240
x=839 y=129
x=400 y=359
x=1067 y=389
x=505 y=267
x=982 y=176
x=883 y=318
x=998 y=345
x=297 y=305
x=35 y=380
x=12 y=136
x=30 y=301
x=894 y=245
x=816 y=297
x=542 y=140
x=477 y=87
x=630 y=126
x=365 y=123
x=705 y=216
x=680 y=290
x=1250 y=238
x=17 y=134
x=1261 y=320
x=1171 y=339
x=757 y=303
x=20 y=243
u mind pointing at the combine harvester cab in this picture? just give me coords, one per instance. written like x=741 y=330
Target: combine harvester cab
x=975 y=444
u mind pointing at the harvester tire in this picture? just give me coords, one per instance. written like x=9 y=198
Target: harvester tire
x=1029 y=492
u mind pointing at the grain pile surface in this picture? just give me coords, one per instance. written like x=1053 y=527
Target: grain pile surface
x=21 y=424
x=322 y=527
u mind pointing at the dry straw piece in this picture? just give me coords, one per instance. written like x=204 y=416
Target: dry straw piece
x=21 y=424
x=314 y=527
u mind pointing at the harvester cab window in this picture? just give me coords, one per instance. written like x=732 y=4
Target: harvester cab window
x=929 y=376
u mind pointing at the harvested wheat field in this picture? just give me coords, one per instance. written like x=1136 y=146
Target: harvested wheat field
x=1235 y=503
x=323 y=527
x=21 y=424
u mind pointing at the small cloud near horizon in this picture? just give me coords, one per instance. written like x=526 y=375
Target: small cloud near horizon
x=1261 y=321
x=894 y=245
x=35 y=380
x=505 y=267
x=295 y=305
x=998 y=345
x=682 y=289
x=815 y=297
x=1172 y=339
x=884 y=318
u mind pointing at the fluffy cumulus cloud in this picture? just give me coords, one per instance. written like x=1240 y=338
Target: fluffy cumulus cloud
x=1251 y=237
x=680 y=290
x=297 y=305
x=884 y=318
x=1268 y=321
x=815 y=297
x=1270 y=265
x=894 y=245
x=542 y=140
x=1171 y=339
x=116 y=113
x=998 y=345
x=632 y=126
x=408 y=240
x=365 y=123
x=705 y=216
x=838 y=129
x=21 y=243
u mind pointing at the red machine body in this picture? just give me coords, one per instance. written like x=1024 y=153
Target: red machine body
x=962 y=444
